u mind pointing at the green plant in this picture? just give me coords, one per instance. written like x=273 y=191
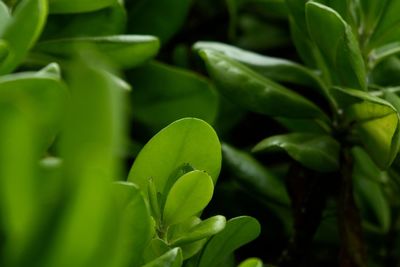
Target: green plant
x=343 y=123
x=64 y=200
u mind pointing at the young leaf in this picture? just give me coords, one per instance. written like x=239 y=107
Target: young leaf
x=77 y=6
x=172 y=258
x=164 y=94
x=337 y=44
x=315 y=151
x=204 y=229
x=22 y=31
x=259 y=94
x=280 y=70
x=375 y=121
x=189 y=195
x=238 y=231
x=126 y=51
x=254 y=175
x=252 y=262
x=186 y=141
x=134 y=225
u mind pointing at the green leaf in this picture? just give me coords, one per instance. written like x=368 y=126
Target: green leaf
x=22 y=31
x=3 y=51
x=107 y=21
x=259 y=94
x=375 y=121
x=172 y=258
x=189 y=195
x=126 y=51
x=41 y=95
x=134 y=225
x=164 y=94
x=156 y=248
x=167 y=17
x=252 y=174
x=372 y=12
x=204 y=229
x=381 y=53
x=77 y=6
x=369 y=190
x=315 y=151
x=4 y=15
x=337 y=44
x=386 y=29
x=186 y=141
x=191 y=249
x=238 y=231
x=280 y=70
x=252 y=262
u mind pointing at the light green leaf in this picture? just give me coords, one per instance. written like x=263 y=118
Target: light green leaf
x=189 y=195
x=238 y=231
x=41 y=95
x=315 y=151
x=277 y=69
x=172 y=258
x=134 y=225
x=252 y=262
x=22 y=31
x=259 y=94
x=126 y=51
x=77 y=6
x=155 y=249
x=204 y=229
x=252 y=174
x=167 y=17
x=337 y=44
x=164 y=94
x=375 y=121
x=185 y=142
x=4 y=15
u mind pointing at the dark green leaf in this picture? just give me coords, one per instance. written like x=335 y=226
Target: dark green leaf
x=167 y=17
x=185 y=142
x=252 y=174
x=188 y=196
x=369 y=190
x=126 y=51
x=280 y=70
x=238 y=231
x=315 y=151
x=107 y=21
x=259 y=94
x=76 y=6
x=164 y=94
x=22 y=31
x=337 y=44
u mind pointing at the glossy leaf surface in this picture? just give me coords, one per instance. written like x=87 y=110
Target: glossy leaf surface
x=317 y=152
x=189 y=195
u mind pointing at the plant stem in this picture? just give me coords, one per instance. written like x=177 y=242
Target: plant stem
x=353 y=253
x=308 y=195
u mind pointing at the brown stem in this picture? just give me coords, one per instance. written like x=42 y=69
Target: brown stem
x=353 y=253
